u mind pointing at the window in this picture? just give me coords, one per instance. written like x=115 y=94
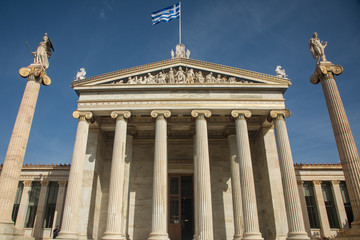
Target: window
x=346 y=200
x=311 y=205
x=50 y=204
x=17 y=201
x=329 y=204
x=33 y=201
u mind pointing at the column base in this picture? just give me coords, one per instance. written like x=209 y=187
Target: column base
x=252 y=236
x=67 y=235
x=108 y=235
x=159 y=236
x=237 y=237
x=298 y=236
x=350 y=234
x=7 y=231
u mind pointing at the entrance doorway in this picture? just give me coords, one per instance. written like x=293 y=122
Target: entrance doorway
x=181 y=207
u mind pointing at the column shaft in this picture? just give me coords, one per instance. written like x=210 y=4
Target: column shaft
x=39 y=218
x=128 y=160
x=251 y=221
x=24 y=203
x=59 y=203
x=204 y=207
x=348 y=152
x=69 y=228
x=339 y=205
x=14 y=158
x=236 y=188
x=196 y=197
x=292 y=199
x=116 y=190
x=323 y=218
x=159 y=208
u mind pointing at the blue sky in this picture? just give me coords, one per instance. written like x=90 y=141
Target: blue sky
x=108 y=35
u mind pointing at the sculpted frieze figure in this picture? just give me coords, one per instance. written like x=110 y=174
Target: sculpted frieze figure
x=232 y=80
x=43 y=52
x=171 y=76
x=200 y=78
x=150 y=79
x=317 y=48
x=180 y=76
x=210 y=78
x=190 y=76
x=161 y=78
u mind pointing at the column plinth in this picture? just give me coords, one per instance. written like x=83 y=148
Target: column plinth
x=346 y=146
x=16 y=151
x=114 y=222
x=69 y=228
x=159 y=207
x=249 y=206
x=292 y=200
x=203 y=190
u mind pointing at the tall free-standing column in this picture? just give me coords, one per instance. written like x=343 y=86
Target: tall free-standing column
x=116 y=191
x=291 y=193
x=346 y=146
x=203 y=189
x=251 y=221
x=159 y=208
x=236 y=188
x=69 y=228
x=14 y=158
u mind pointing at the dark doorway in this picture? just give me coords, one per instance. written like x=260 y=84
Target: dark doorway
x=181 y=210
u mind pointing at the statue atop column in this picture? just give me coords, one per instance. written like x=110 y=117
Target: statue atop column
x=317 y=48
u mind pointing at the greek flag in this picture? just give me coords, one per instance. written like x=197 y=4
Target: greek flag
x=166 y=14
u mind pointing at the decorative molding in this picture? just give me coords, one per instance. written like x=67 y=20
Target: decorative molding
x=278 y=113
x=156 y=113
x=237 y=113
x=77 y=114
x=116 y=114
x=317 y=182
x=196 y=113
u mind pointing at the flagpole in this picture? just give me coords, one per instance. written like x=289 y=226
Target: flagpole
x=180 y=24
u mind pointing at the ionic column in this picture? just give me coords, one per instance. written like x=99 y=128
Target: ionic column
x=320 y=203
x=346 y=146
x=69 y=228
x=292 y=200
x=251 y=221
x=14 y=158
x=24 y=203
x=303 y=206
x=40 y=209
x=116 y=190
x=204 y=204
x=159 y=207
x=128 y=160
x=59 y=203
x=339 y=205
x=236 y=188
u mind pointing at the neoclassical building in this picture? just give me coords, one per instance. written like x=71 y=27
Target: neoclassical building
x=182 y=149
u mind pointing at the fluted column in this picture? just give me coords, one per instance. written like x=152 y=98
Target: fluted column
x=346 y=146
x=39 y=218
x=159 y=208
x=69 y=228
x=320 y=203
x=196 y=198
x=236 y=188
x=14 y=158
x=339 y=204
x=59 y=203
x=204 y=204
x=251 y=221
x=128 y=160
x=116 y=190
x=24 y=203
x=292 y=200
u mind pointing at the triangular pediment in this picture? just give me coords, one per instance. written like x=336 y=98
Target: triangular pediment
x=180 y=71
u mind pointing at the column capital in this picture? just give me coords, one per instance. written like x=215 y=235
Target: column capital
x=335 y=182
x=156 y=113
x=27 y=183
x=317 y=182
x=278 y=114
x=62 y=183
x=44 y=183
x=124 y=114
x=239 y=113
x=205 y=113
x=325 y=70
x=80 y=114
x=300 y=182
